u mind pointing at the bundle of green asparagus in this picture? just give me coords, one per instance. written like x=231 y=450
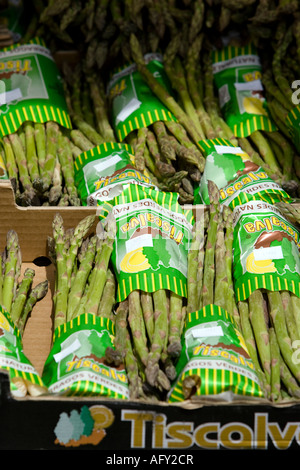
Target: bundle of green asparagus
x=270 y=325
x=18 y=296
x=88 y=108
x=148 y=341
x=163 y=151
x=84 y=279
x=100 y=29
x=279 y=75
x=39 y=163
x=274 y=151
x=210 y=273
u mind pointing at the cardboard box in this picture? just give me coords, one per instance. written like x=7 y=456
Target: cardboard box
x=180 y=429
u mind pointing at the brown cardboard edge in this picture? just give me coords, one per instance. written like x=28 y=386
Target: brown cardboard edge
x=34 y=224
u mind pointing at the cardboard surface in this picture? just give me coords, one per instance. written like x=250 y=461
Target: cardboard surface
x=33 y=224
x=37 y=337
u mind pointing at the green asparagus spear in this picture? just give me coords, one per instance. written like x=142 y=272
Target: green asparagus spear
x=10 y=266
x=21 y=295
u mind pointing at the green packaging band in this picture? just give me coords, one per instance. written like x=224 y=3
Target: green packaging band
x=237 y=76
x=266 y=250
x=31 y=88
x=76 y=364
x=133 y=105
x=238 y=178
x=102 y=172
x=214 y=355
x=24 y=378
x=153 y=233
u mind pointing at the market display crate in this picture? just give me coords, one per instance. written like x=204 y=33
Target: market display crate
x=42 y=422
x=173 y=326
x=190 y=431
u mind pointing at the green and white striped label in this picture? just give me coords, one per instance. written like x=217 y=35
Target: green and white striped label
x=215 y=353
x=237 y=177
x=12 y=358
x=153 y=234
x=266 y=250
x=102 y=172
x=133 y=104
x=293 y=124
x=76 y=366
x=237 y=76
x=31 y=88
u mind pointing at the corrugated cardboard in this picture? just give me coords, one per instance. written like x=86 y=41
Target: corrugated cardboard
x=33 y=224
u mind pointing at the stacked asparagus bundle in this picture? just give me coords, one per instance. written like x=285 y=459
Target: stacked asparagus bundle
x=210 y=274
x=84 y=280
x=88 y=108
x=279 y=70
x=100 y=30
x=210 y=278
x=270 y=325
x=163 y=151
x=119 y=32
x=18 y=296
x=268 y=320
x=148 y=341
x=39 y=163
x=166 y=151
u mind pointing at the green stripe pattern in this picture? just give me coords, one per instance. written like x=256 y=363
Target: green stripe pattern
x=98 y=151
x=139 y=120
x=270 y=281
x=44 y=73
x=239 y=64
x=230 y=52
x=96 y=379
x=11 y=122
x=293 y=124
x=255 y=123
x=164 y=210
x=218 y=368
x=12 y=359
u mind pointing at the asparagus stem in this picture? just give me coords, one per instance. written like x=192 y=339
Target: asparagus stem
x=175 y=322
x=161 y=92
x=247 y=331
x=21 y=295
x=209 y=260
x=137 y=327
x=159 y=336
x=10 y=266
x=148 y=313
x=36 y=294
x=275 y=366
x=260 y=329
